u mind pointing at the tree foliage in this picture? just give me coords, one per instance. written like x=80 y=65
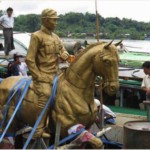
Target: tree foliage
x=79 y=24
x=27 y=23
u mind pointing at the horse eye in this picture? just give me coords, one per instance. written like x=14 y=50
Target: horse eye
x=107 y=62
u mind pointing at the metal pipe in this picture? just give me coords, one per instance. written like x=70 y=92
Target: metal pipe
x=57 y=134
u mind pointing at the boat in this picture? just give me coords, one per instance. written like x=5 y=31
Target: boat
x=133 y=59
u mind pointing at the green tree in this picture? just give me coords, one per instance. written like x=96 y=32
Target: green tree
x=79 y=24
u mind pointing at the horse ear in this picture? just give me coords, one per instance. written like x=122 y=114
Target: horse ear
x=107 y=45
x=118 y=43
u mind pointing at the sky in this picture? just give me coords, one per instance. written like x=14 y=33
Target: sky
x=132 y=9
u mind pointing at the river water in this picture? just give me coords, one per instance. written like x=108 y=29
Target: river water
x=131 y=45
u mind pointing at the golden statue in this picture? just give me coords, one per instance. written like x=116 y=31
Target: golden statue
x=74 y=100
x=42 y=60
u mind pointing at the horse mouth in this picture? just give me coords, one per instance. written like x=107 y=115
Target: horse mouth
x=111 y=90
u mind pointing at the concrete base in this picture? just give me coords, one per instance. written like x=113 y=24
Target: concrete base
x=116 y=133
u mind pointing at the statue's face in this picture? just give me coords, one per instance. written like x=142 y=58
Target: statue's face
x=50 y=23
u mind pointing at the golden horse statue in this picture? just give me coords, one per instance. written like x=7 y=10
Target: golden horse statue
x=74 y=100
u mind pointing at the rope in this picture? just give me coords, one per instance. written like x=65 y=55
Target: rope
x=70 y=137
x=27 y=83
x=1 y=80
x=50 y=101
x=13 y=91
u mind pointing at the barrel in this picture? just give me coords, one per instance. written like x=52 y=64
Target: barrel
x=136 y=135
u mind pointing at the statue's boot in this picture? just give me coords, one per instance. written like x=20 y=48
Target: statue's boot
x=42 y=125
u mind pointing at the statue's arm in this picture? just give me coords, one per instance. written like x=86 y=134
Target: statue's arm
x=63 y=52
x=31 y=56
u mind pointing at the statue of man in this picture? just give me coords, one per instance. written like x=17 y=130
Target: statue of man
x=42 y=60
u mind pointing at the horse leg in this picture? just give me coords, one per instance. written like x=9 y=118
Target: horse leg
x=8 y=141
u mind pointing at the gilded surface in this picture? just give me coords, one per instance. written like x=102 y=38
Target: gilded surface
x=43 y=55
x=42 y=59
x=74 y=100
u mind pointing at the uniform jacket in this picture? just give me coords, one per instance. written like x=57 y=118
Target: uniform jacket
x=43 y=54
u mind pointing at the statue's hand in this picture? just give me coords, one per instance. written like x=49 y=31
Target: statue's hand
x=64 y=55
x=71 y=58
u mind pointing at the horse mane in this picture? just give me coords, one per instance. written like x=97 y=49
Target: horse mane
x=86 y=50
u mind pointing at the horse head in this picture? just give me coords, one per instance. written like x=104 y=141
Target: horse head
x=99 y=59
x=106 y=65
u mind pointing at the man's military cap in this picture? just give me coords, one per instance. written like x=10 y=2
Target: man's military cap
x=49 y=13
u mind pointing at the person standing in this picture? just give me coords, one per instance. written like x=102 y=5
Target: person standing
x=7 y=22
x=122 y=48
x=42 y=60
x=22 y=67
x=146 y=80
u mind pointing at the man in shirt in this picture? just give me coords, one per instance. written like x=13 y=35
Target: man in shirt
x=13 y=67
x=42 y=61
x=7 y=22
x=146 y=80
x=22 y=67
x=122 y=48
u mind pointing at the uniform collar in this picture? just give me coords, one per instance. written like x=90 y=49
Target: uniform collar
x=45 y=30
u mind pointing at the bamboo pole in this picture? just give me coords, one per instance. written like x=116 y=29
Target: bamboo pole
x=97 y=22
x=57 y=134
x=101 y=111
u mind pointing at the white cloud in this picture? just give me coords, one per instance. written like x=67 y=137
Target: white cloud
x=132 y=9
